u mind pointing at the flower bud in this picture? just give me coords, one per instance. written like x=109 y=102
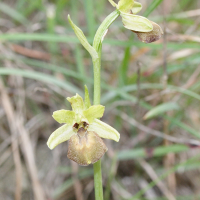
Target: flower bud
x=86 y=147
x=151 y=36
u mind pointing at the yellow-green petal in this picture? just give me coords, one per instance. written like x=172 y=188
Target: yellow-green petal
x=125 y=5
x=60 y=135
x=93 y=112
x=136 y=7
x=76 y=103
x=64 y=116
x=136 y=23
x=104 y=130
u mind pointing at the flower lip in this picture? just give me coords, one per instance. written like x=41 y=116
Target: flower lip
x=86 y=147
x=151 y=36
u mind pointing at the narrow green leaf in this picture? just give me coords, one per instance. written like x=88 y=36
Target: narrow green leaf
x=79 y=33
x=151 y=152
x=161 y=109
x=153 y=5
x=124 y=67
x=89 y=13
x=184 y=126
x=80 y=63
x=43 y=37
x=13 y=13
x=41 y=77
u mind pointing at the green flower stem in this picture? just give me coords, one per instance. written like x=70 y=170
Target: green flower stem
x=97 y=44
x=97 y=80
x=98 y=181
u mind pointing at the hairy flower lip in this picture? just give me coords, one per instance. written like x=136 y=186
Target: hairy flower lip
x=86 y=147
x=151 y=36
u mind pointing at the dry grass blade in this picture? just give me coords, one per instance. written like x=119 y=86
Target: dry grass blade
x=16 y=124
x=77 y=183
x=179 y=37
x=190 y=82
x=172 y=57
x=30 y=53
x=148 y=130
x=147 y=167
x=15 y=147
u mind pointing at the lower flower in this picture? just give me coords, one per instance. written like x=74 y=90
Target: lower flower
x=83 y=130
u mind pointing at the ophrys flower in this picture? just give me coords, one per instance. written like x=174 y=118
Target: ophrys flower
x=146 y=30
x=83 y=129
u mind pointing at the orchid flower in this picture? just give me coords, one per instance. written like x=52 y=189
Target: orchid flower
x=146 y=30
x=83 y=129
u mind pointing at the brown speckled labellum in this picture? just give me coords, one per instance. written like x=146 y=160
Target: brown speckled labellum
x=151 y=36
x=86 y=147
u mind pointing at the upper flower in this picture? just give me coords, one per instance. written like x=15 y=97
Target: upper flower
x=83 y=129
x=146 y=30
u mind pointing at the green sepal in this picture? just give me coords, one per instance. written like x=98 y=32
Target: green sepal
x=93 y=112
x=104 y=130
x=64 y=116
x=60 y=135
x=137 y=7
x=76 y=103
x=79 y=33
x=136 y=23
x=125 y=5
x=87 y=98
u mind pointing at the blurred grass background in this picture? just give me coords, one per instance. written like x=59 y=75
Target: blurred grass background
x=151 y=93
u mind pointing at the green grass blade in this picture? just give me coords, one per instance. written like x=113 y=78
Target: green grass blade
x=44 y=37
x=124 y=67
x=89 y=13
x=13 y=13
x=41 y=77
x=160 y=109
x=150 y=152
x=153 y=183
x=153 y=5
